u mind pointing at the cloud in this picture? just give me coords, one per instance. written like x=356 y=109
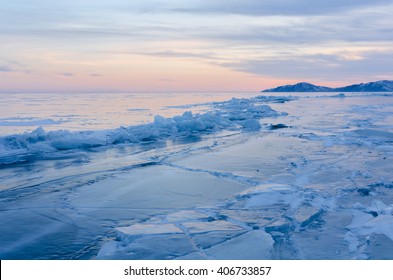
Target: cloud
x=67 y=74
x=179 y=54
x=159 y=20
x=349 y=26
x=275 y=7
x=320 y=67
x=5 y=68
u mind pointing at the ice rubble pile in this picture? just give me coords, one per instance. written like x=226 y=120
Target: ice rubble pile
x=266 y=222
x=234 y=114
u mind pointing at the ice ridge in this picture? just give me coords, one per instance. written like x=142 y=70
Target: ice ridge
x=235 y=114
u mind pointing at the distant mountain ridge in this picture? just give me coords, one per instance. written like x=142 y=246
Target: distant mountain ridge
x=378 y=86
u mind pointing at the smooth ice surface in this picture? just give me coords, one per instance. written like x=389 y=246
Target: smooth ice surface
x=254 y=245
x=149 y=228
x=305 y=176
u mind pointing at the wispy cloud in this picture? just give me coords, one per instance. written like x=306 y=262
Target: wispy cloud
x=179 y=54
x=275 y=7
x=67 y=74
x=5 y=68
x=321 y=67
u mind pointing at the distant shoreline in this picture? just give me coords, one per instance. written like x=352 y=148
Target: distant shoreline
x=378 y=86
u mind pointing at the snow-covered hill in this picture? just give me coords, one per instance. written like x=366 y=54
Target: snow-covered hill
x=378 y=86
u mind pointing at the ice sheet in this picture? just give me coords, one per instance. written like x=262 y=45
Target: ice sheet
x=215 y=185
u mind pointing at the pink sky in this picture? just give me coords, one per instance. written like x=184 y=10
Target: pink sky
x=193 y=46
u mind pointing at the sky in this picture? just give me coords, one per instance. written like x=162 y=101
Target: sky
x=192 y=46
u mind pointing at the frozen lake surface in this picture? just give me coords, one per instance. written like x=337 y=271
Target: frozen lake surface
x=304 y=176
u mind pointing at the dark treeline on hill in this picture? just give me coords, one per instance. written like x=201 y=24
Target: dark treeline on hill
x=378 y=86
